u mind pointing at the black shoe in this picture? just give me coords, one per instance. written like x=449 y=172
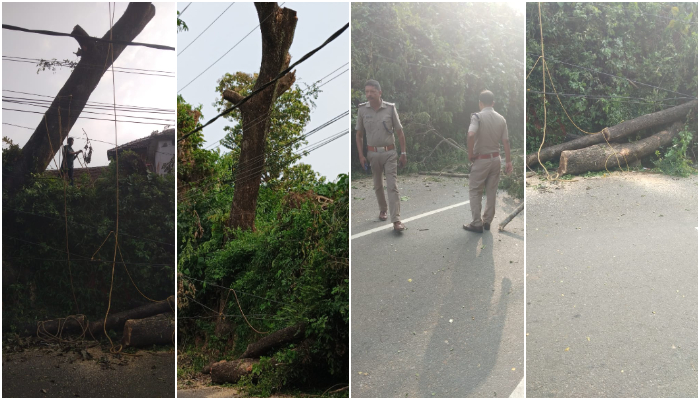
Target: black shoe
x=472 y=228
x=487 y=226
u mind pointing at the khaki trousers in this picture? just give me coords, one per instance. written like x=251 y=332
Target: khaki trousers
x=485 y=174
x=386 y=162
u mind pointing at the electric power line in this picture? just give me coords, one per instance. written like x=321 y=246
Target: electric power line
x=205 y=29
x=278 y=77
x=184 y=9
x=53 y=33
x=228 y=51
x=98 y=119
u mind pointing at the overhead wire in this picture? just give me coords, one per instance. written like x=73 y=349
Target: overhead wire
x=228 y=51
x=62 y=34
x=205 y=29
x=271 y=82
x=69 y=64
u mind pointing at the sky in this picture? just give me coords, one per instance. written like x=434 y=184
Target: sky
x=131 y=89
x=316 y=22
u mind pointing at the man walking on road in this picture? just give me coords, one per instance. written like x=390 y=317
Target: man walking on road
x=486 y=130
x=378 y=119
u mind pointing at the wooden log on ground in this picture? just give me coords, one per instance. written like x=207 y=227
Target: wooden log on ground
x=231 y=371
x=616 y=132
x=158 y=329
x=116 y=321
x=281 y=337
x=510 y=217
x=445 y=174
x=74 y=324
x=600 y=156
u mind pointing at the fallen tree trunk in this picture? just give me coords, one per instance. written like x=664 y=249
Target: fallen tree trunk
x=604 y=156
x=616 y=132
x=116 y=321
x=231 y=371
x=510 y=217
x=281 y=337
x=159 y=329
x=54 y=327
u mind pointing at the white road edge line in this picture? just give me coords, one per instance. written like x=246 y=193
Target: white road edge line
x=381 y=228
x=519 y=392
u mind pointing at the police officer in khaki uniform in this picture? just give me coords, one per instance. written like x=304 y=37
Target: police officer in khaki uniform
x=379 y=119
x=486 y=131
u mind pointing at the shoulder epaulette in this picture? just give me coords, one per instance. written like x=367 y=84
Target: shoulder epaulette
x=362 y=104
x=477 y=115
x=390 y=104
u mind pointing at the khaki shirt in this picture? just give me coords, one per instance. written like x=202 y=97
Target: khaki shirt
x=490 y=128
x=379 y=125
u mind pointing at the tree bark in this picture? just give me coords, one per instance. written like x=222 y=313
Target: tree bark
x=277 y=26
x=281 y=337
x=158 y=329
x=231 y=371
x=616 y=132
x=71 y=99
x=117 y=321
x=600 y=156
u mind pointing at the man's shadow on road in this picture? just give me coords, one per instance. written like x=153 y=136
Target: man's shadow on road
x=460 y=357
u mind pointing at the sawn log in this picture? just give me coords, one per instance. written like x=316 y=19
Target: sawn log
x=231 y=371
x=600 y=156
x=158 y=329
x=281 y=337
x=616 y=132
x=116 y=321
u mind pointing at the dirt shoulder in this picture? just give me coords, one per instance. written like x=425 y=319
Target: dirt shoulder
x=47 y=370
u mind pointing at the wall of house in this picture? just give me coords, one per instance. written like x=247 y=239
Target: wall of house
x=164 y=153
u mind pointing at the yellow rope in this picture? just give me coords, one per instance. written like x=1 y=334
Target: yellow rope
x=604 y=132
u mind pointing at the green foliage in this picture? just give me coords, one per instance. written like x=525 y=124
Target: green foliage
x=293 y=268
x=289 y=115
x=652 y=43
x=433 y=60
x=37 y=281
x=181 y=25
x=513 y=183
x=675 y=161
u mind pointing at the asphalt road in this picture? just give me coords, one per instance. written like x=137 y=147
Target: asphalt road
x=436 y=311
x=612 y=287
x=43 y=373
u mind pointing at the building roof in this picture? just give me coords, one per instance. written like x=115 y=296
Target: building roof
x=142 y=143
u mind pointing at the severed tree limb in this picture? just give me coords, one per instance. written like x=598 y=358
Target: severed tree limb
x=116 y=321
x=71 y=99
x=278 y=338
x=616 y=132
x=231 y=371
x=603 y=156
x=510 y=217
